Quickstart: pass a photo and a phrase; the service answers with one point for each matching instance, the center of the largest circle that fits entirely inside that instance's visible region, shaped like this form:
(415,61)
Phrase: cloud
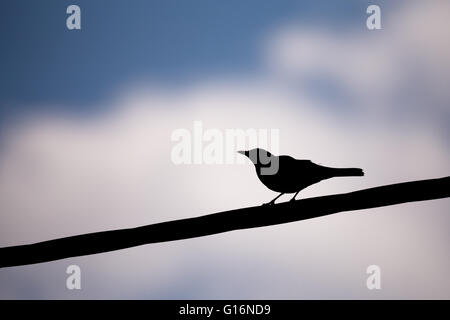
(399,70)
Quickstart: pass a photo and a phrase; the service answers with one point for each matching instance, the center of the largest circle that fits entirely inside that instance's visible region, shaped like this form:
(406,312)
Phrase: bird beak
(245,153)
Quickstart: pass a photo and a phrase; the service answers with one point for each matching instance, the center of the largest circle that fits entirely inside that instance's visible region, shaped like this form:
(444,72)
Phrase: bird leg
(293,198)
(273,201)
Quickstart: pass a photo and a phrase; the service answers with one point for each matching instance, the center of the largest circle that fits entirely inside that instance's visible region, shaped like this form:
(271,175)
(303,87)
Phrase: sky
(168,41)
(85,143)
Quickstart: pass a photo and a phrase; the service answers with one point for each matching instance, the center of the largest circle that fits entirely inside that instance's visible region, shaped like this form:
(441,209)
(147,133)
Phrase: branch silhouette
(251,217)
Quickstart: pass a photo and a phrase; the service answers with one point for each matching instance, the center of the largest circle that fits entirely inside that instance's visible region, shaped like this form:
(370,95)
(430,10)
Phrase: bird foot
(268,204)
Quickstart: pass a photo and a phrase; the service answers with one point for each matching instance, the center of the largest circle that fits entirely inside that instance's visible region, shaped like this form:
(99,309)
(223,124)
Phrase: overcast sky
(87,118)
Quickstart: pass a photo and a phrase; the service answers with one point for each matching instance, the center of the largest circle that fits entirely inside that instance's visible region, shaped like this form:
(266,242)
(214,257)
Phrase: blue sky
(168,41)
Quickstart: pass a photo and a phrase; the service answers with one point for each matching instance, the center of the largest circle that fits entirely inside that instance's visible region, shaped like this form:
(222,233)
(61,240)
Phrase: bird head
(258,156)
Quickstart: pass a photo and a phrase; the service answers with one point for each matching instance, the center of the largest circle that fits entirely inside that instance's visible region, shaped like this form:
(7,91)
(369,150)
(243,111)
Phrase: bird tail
(348,172)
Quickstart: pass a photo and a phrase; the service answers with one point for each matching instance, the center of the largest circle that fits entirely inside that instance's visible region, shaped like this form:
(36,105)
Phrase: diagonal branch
(244,218)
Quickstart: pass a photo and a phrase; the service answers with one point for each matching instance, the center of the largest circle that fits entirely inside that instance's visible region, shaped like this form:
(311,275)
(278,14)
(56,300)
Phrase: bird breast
(282,181)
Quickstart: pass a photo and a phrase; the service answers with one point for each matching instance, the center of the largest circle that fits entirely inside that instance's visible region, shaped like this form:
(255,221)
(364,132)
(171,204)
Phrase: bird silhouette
(285,174)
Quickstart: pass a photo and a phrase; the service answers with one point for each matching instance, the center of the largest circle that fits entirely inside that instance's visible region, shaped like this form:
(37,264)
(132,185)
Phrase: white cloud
(408,56)
(62,177)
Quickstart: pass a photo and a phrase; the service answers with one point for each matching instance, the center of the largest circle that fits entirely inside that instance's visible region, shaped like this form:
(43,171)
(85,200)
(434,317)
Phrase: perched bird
(285,174)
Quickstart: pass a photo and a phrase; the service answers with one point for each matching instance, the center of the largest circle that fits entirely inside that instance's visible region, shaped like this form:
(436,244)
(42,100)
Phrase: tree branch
(244,218)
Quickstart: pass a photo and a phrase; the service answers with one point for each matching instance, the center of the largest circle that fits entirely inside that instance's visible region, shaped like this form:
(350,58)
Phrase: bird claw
(268,204)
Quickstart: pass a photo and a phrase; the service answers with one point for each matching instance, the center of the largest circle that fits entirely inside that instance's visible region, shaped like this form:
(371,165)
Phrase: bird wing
(315,170)
(305,163)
